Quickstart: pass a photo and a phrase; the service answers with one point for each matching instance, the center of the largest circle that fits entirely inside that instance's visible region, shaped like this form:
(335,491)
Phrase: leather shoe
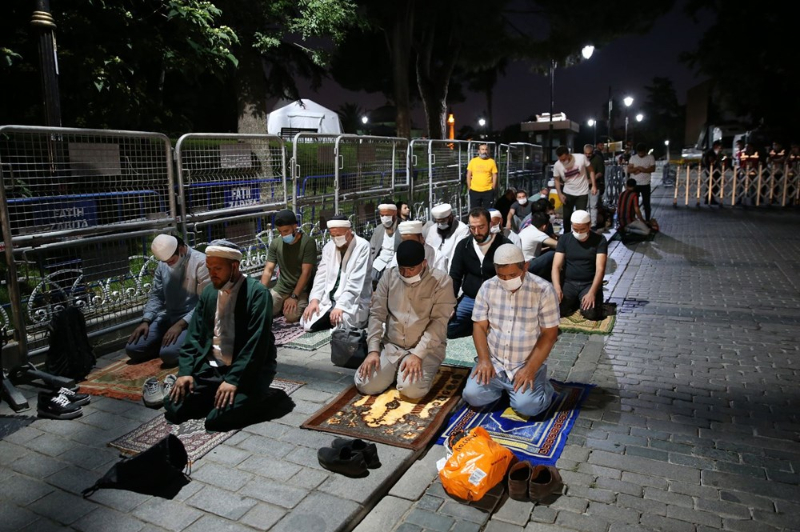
(343,460)
(545,480)
(519,477)
(369,450)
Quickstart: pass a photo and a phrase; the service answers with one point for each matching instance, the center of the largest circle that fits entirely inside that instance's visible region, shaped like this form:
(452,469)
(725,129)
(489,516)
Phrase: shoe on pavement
(519,477)
(369,450)
(153,393)
(169,384)
(545,481)
(344,461)
(58,407)
(79,399)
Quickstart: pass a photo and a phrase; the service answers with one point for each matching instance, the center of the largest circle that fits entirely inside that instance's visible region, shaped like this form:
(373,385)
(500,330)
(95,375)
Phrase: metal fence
(754,186)
(313,172)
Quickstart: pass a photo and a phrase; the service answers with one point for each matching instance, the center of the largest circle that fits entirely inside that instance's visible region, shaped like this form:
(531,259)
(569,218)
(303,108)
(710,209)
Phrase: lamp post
(586,52)
(482,125)
(666,143)
(628,101)
(593,124)
(42,22)
(639,118)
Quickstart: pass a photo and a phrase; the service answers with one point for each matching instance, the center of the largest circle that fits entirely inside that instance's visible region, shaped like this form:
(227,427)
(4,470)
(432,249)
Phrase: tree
(665,116)
(350,114)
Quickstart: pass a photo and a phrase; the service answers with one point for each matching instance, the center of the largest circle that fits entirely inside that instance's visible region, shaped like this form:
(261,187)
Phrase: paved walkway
(692,426)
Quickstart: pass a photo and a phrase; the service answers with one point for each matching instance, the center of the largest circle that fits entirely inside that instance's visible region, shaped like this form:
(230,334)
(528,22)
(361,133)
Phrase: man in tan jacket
(414,301)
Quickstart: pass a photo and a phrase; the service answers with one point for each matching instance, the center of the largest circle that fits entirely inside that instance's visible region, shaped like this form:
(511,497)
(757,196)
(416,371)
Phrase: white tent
(303,115)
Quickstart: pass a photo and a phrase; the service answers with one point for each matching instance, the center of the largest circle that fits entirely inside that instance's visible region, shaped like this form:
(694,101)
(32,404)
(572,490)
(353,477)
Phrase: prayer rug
(460,352)
(192,433)
(539,439)
(390,419)
(122,380)
(634,239)
(578,324)
(285,332)
(311,340)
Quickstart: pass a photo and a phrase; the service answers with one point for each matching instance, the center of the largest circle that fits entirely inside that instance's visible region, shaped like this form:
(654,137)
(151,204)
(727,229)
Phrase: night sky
(627,65)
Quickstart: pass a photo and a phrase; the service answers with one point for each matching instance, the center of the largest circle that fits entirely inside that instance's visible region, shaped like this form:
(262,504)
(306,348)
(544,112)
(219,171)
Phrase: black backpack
(70,354)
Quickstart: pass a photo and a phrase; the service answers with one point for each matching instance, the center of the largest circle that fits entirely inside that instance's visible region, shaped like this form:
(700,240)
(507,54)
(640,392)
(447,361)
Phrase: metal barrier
(753,186)
(615,183)
(525,169)
(313,171)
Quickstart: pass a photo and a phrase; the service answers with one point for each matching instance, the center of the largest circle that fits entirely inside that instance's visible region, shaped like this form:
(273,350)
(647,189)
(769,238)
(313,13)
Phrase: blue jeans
(461,324)
(150,347)
(528,403)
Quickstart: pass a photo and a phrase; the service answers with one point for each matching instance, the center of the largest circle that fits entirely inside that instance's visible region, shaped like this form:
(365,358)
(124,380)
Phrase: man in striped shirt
(515,327)
(628,212)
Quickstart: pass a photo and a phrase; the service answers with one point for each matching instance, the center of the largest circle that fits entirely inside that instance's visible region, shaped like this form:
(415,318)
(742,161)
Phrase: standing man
(443,235)
(342,288)
(599,166)
(179,279)
(582,254)
(296,256)
(384,241)
(407,332)
(472,265)
(229,358)
(571,169)
(482,179)
(516,325)
(640,167)
(519,210)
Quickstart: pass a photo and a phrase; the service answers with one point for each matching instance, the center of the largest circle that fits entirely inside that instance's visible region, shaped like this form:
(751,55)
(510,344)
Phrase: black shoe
(79,399)
(58,407)
(344,461)
(369,450)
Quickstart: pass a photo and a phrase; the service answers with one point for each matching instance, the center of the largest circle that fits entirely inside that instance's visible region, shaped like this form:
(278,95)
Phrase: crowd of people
(505,277)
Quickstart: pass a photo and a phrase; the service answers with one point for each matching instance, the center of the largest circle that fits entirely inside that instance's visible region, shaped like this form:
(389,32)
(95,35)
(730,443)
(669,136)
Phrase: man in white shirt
(384,241)
(640,167)
(412,230)
(443,235)
(533,240)
(571,168)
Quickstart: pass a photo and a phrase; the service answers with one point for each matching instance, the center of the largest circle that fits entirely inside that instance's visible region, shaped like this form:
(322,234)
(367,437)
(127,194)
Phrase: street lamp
(364,120)
(666,143)
(639,118)
(593,124)
(482,125)
(586,52)
(628,101)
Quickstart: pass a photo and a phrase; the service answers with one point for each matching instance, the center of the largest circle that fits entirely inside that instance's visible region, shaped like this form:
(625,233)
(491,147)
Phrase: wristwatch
(293,296)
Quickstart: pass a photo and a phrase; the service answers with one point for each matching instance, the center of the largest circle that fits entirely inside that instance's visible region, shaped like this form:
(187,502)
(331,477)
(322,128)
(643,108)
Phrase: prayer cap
(580,217)
(285,217)
(164,247)
(410,253)
(340,220)
(441,211)
(224,249)
(494,213)
(508,254)
(387,207)
(411,227)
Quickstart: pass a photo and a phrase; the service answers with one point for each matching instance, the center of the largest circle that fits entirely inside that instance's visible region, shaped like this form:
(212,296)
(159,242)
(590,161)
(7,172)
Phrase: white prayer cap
(164,247)
(580,217)
(494,213)
(508,254)
(339,220)
(224,249)
(411,227)
(441,211)
(387,207)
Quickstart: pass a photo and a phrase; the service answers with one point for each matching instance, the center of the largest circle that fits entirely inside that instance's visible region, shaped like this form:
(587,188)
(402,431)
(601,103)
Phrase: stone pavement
(692,426)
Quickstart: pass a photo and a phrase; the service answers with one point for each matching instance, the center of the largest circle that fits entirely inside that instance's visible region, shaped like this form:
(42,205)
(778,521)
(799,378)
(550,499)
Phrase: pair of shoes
(155,393)
(529,483)
(351,458)
(61,404)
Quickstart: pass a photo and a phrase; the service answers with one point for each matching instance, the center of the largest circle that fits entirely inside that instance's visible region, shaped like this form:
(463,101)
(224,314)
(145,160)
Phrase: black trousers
(481,199)
(543,265)
(573,292)
(644,190)
(573,203)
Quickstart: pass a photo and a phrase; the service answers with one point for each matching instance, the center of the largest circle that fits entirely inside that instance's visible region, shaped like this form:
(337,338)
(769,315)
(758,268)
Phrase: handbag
(348,347)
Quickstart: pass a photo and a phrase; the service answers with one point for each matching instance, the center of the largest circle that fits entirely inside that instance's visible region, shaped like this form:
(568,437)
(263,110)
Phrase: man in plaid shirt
(515,327)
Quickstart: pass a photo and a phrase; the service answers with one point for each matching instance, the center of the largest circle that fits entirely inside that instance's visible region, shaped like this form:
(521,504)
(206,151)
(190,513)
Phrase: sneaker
(153,393)
(169,384)
(368,450)
(79,399)
(58,407)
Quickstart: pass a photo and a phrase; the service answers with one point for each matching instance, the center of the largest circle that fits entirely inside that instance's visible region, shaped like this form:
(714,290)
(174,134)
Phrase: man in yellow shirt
(482,179)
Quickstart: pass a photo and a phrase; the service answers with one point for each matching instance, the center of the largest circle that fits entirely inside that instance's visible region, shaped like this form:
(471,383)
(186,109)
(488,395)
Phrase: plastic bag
(477,464)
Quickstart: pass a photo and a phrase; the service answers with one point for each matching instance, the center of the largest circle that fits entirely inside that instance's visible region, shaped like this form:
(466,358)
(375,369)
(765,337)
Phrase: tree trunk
(433,80)
(251,94)
(400,53)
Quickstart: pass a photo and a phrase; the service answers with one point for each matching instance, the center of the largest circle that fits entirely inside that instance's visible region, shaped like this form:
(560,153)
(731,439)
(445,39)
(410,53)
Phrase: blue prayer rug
(538,439)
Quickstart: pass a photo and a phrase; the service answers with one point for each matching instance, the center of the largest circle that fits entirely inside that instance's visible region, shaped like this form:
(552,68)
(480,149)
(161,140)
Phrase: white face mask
(580,236)
(552,218)
(495,229)
(522,201)
(444,226)
(179,263)
(413,279)
(511,284)
(340,241)
(387,221)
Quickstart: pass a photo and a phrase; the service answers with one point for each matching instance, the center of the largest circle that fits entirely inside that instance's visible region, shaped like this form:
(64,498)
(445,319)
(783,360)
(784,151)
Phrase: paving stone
(613,513)
(222,477)
(273,492)
(703,492)
(418,477)
(408,527)
(89,457)
(723,508)
(105,519)
(266,446)
(500,526)
(515,512)
(543,514)
(585,523)
(668,497)
(430,521)
(747,526)
(304,456)
(572,504)
(308,478)
(645,480)
(644,506)
(463,512)
(694,516)
(263,516)
(361,489)
(45,525)
(121,500)
(748,499)
(644,466)
(466,526)
(762,487)
(228,455)
(210,523)
(220,502)
(306,437)
(37,465)
(73,479)
(167,514)
(666,524)
(319,512)
(269,467)
(384,515)
(13,517)
(429,503)
(23,490)
(62,507)
(619,486)
(543,527)
(22,435)
(593,494)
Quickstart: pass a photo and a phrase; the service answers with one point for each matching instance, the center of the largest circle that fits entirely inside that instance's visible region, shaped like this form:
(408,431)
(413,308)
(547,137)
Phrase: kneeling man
(414,301)
(516,325)
(228,359)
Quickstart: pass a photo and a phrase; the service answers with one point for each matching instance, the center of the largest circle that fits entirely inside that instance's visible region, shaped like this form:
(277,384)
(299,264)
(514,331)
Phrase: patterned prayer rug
(122,380)
(285,332)
(460,352)
(539,439)
(192,433)
(390,419)
(578,324)
(311,340)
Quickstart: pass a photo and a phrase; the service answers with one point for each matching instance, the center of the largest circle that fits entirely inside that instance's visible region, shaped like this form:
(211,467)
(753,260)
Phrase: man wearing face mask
(516,325)
(443,235)
(179,279)
(296,256)
(412,230)
(482,179)
(497,227)
(472,265)
(406,336)
(520,209)
(384,241)
(342,287)
(571,183)
(582,254)
(229,358)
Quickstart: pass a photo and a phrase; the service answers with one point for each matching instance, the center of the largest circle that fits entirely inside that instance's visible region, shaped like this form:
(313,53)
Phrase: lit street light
(593,124)
(666,143)
(481,122)
(628,101)
(364,120)
(639,117)
(586,52)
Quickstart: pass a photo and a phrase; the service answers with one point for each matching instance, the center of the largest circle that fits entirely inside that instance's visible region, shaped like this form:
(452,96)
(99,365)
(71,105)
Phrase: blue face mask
(288,239)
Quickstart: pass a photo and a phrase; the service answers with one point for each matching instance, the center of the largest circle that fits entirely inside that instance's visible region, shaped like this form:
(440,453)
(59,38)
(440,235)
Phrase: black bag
(348,347)
(156,471)
(70,354)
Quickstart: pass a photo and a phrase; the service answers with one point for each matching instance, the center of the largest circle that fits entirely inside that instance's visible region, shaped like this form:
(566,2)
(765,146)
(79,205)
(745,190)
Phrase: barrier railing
(313,171)
(754,186)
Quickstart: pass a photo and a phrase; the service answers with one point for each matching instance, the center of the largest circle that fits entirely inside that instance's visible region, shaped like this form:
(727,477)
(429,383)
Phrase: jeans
(644,190)
(150,347)
(595,201)
(543,265)
(528,403)
(573,203)
(461,323)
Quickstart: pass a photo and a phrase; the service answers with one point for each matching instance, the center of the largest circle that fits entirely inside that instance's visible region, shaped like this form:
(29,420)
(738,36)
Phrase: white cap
(224,249)
(164,247)
(387,207)
(580,217)
(442,210)
(494,213)
(508,254)
(411,227)
(339,223)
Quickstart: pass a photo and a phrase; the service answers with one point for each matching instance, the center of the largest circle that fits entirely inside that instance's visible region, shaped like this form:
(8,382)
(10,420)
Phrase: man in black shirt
(582,254)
